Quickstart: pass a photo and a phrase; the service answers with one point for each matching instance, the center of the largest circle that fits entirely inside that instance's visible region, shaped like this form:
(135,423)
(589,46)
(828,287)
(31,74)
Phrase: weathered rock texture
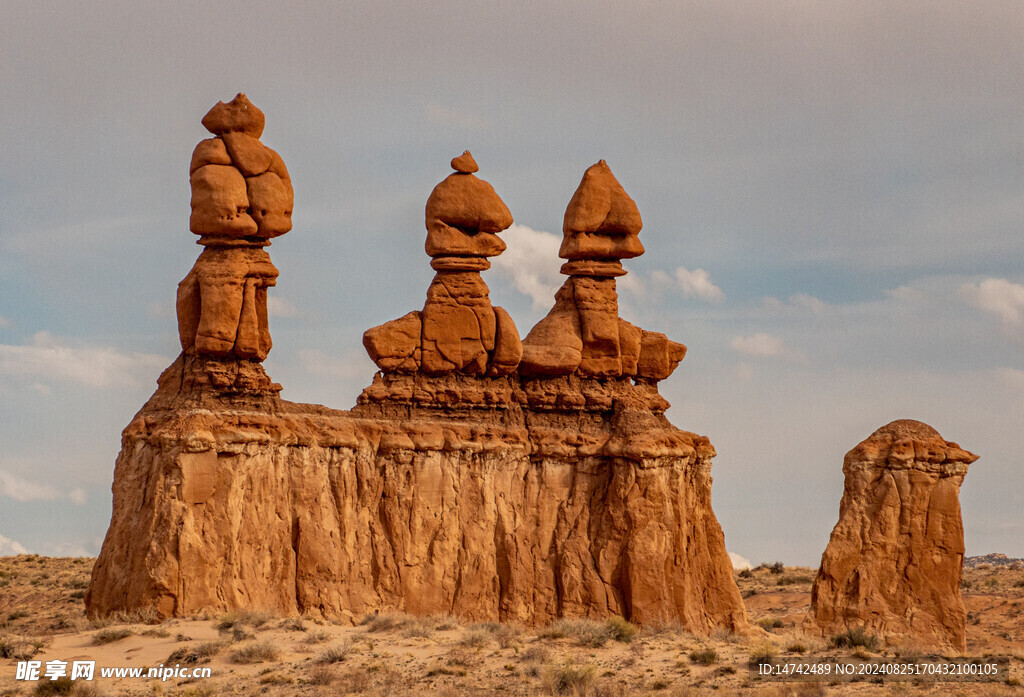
(241,197)
(458,331)
(583,333)
(453,486)
(894,562)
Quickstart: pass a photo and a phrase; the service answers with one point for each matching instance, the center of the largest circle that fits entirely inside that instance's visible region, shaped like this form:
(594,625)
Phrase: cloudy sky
(832,196)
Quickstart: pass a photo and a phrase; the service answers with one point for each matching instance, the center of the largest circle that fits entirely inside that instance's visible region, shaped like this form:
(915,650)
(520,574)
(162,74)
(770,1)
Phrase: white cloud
(999,297)
(52,359)
(531,262)
(759,344)
(801,303)
(697,283)
(10,547)
(22,489)
(739,562)
(278,307)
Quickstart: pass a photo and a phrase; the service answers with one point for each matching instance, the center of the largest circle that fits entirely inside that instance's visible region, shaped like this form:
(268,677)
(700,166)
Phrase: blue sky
(831,194)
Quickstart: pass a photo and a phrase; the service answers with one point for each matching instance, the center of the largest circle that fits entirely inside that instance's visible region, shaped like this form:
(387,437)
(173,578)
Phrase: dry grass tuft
(255,653)
(108,636)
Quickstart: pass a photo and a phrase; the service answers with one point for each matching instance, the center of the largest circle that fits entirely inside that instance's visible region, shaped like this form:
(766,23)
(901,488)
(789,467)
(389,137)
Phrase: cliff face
(492,513)
(462,482)
(895,558)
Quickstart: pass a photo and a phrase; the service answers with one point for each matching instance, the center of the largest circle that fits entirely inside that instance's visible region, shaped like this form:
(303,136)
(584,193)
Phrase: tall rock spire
(241,198)
(583,333)
(458,330)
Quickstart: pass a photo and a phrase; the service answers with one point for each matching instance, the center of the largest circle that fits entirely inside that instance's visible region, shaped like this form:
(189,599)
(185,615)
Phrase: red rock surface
(241,197)
(583,333)
(456,485)
(458,331)
(895,558)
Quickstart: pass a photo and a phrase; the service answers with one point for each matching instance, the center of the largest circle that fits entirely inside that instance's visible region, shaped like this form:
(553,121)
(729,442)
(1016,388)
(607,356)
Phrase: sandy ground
(255,653)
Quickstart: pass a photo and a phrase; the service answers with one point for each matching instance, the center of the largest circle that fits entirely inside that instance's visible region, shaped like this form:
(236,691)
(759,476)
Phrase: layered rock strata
(452,487)
(894,562)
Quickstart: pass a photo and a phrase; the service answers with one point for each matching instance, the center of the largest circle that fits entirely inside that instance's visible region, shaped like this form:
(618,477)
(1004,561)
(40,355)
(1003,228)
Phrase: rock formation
(458,331)
(583,334)
(894,561)
(453,486)
(241,198)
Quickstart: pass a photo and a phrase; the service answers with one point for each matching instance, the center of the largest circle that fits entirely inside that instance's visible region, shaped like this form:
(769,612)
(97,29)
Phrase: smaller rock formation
(894,562)
(583,333)
(241,198)
(458,330)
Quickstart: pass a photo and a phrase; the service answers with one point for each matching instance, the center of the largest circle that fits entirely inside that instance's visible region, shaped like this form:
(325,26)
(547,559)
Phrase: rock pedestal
(456,485)
(895,558)
(241,198)
(583,333)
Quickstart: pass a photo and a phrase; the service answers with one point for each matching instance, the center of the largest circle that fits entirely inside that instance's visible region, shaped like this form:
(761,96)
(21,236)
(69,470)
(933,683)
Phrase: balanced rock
(458,330)
(583,332)
(241,197)
(894,562)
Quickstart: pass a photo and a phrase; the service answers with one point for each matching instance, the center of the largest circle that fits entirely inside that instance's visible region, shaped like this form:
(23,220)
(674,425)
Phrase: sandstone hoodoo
(456,484)
(458,331)
(583,334)
(241,198)
(894,562)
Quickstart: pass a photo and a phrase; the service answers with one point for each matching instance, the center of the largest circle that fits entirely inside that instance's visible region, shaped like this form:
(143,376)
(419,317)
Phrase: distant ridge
(995,559)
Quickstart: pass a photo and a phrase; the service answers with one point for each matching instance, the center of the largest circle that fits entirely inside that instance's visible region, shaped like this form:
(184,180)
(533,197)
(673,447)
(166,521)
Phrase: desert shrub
(536,654)
(316,637)
(107,636)
(60,686)
(145,615)
(851,638)
(386,622)
(294,624)
(797,647)
(507,636)
(585,632)
(792,579)
(238,619)
(770,623)
(620,629)
(777,568)
(476,639)
(335,654)
(763,652)
(445,622)
(200,653)
(421,627)
(705,656)
(241,634)
(746,573)
(255,653)
(568,678)
(322,675)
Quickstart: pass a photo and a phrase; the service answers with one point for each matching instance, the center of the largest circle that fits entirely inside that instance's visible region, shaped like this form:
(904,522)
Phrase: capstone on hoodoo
(241,199)
(458,330)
